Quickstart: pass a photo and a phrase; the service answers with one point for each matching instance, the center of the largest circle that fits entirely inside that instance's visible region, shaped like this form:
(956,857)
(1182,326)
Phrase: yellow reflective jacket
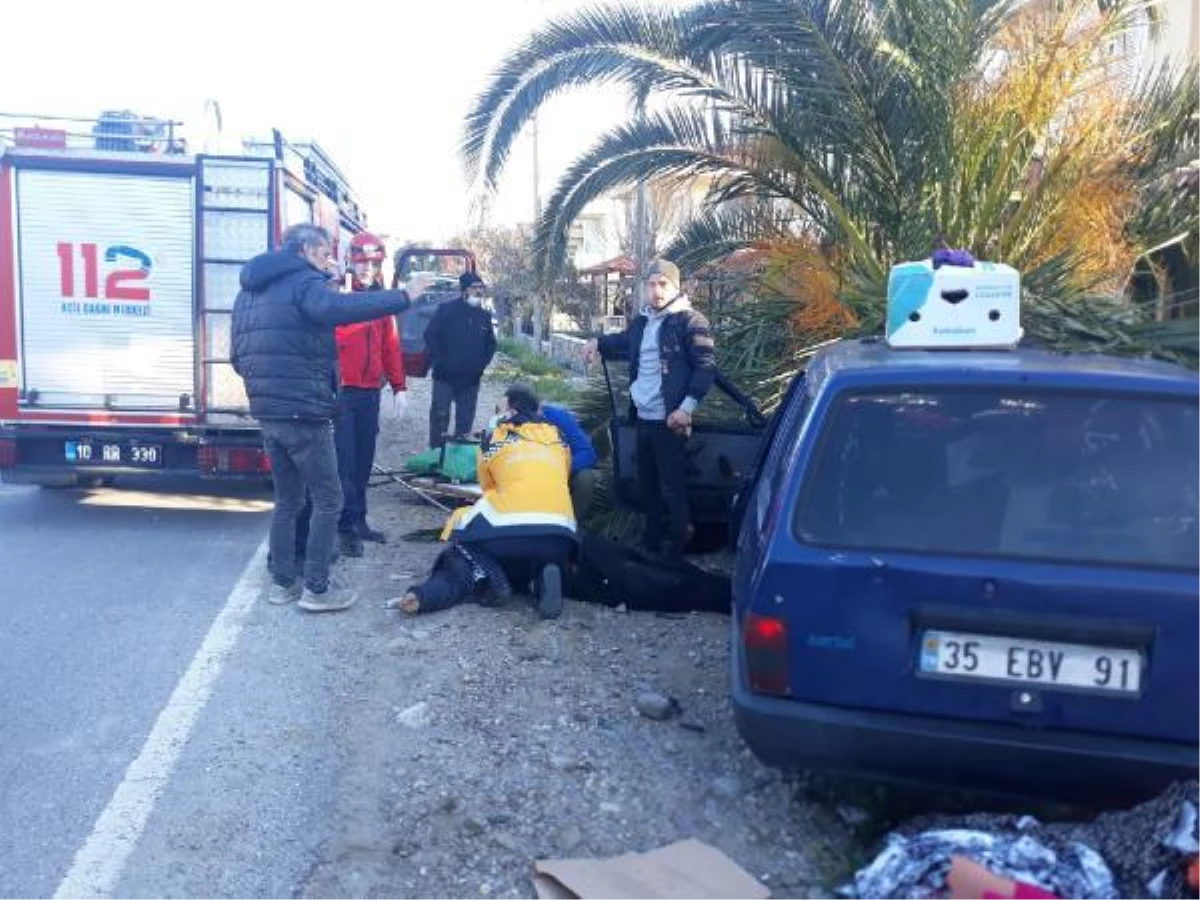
(524,467)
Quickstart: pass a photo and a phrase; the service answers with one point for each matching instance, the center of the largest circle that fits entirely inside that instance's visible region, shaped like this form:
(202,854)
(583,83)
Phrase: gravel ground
(483,739)
(489,739)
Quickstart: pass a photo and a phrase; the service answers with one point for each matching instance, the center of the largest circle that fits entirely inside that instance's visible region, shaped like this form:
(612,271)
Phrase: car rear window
(1039,475)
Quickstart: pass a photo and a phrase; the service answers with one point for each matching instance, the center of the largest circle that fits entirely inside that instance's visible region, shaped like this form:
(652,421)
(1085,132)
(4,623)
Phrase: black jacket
(283,341)
(685,347)
(460,342)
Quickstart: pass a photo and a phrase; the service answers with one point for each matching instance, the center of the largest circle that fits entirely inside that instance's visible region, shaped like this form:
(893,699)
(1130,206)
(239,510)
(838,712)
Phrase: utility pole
(537,175)
(537,209)
(537,216)
(641,249)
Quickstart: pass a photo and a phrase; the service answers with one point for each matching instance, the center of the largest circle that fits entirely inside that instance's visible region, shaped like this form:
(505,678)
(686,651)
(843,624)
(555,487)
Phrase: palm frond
(859,133)
(721,231)
(676,147)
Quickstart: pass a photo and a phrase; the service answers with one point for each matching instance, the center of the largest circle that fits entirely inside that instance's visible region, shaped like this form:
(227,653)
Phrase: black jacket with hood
(283,341)
(460,342)
(685,346)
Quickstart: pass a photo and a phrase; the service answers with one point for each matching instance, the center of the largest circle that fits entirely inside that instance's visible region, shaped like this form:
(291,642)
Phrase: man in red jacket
(367,357)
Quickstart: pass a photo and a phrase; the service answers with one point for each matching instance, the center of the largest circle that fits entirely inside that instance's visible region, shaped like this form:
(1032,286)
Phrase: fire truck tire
(65,482)
(54,482)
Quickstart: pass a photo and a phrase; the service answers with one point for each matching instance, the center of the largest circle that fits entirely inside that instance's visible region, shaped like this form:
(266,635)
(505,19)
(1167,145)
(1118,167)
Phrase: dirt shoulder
(479,740)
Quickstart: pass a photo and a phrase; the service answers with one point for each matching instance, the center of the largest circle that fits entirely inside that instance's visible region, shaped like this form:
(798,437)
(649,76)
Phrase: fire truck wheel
(64,482)
(55,482)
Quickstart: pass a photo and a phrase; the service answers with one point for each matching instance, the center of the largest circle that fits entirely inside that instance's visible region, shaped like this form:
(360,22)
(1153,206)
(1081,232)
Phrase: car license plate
(951,654)
(129,454)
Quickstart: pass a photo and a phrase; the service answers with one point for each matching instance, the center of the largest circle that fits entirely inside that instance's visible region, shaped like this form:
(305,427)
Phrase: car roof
(870,360)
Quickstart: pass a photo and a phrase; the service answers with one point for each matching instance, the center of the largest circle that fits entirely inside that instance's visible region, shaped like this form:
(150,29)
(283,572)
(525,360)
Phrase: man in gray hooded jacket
(672,364)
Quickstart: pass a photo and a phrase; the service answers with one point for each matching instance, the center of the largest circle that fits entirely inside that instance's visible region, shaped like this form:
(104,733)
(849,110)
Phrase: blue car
(975,568)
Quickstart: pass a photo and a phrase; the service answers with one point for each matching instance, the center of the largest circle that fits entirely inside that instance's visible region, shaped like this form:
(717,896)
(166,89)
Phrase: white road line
(101,860)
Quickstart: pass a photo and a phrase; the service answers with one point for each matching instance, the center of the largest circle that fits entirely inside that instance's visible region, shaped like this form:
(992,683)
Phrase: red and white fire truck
(119,262)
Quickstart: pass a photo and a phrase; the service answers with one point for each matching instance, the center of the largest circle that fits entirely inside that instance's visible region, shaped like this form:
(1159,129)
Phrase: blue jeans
(303,460)
(355,429)
(354,432)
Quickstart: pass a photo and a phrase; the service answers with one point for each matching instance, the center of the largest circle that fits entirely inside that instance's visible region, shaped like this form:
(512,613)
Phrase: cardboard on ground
(687,868)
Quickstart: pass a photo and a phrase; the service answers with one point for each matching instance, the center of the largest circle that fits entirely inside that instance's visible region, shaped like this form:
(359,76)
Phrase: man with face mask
(460,342)
(672,364)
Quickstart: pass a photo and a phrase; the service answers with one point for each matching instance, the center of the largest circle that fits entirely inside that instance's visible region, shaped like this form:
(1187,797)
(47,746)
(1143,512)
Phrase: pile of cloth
(1148,851)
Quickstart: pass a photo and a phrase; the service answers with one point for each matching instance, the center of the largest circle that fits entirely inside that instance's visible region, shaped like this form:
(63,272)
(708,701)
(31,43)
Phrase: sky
(383,87)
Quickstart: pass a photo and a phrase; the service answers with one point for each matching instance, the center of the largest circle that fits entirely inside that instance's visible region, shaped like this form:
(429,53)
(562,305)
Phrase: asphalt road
(106,597)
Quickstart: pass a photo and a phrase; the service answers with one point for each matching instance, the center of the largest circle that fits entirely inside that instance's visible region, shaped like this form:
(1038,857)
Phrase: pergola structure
(612,283)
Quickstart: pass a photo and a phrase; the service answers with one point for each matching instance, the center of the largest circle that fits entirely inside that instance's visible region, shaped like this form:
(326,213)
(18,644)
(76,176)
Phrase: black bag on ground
(610,573)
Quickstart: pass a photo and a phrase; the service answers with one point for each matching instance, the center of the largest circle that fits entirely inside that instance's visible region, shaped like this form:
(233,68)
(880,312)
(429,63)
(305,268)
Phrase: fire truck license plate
(129,454)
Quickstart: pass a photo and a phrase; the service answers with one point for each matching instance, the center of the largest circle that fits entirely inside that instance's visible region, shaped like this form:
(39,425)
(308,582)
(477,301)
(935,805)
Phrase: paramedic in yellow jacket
(522,528)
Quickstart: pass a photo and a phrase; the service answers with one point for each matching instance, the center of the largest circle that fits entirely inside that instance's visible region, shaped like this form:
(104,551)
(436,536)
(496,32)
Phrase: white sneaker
(281,595)
(334,598)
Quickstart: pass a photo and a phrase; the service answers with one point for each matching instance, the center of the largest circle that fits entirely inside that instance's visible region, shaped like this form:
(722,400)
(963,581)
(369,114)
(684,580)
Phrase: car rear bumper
(971,755)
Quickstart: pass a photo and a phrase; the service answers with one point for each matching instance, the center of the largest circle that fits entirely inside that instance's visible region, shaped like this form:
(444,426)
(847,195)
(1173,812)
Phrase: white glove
(418,284)
(393,404)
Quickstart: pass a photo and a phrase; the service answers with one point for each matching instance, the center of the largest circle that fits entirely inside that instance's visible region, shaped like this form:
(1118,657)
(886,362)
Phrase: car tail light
(765,640)
(416,363)
(8,452)
(216,460)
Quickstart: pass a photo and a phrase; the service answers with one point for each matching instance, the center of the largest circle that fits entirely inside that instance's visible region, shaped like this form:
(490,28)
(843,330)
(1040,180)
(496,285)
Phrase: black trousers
(662,485)
(460,578)
(464,397)
(524,557)
(355,431)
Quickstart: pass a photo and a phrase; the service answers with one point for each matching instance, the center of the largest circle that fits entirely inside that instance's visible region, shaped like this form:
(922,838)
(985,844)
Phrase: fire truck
(119,261)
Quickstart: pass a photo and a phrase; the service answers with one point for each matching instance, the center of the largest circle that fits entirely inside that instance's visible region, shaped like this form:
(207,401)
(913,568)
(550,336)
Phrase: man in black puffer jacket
(284,348)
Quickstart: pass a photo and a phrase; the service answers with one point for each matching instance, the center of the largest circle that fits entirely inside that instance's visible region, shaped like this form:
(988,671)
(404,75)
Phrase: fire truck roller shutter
(106,281)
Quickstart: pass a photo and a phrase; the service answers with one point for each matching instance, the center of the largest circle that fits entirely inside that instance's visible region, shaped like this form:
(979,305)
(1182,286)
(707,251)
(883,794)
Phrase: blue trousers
(355,430)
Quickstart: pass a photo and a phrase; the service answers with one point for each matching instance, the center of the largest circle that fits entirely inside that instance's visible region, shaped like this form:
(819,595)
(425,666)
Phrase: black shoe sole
(550,598)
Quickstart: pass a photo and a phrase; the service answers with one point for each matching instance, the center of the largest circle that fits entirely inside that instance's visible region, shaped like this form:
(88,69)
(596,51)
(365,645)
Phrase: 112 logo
(119,284)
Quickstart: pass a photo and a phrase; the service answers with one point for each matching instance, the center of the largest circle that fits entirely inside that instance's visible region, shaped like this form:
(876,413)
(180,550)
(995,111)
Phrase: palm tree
(845,135)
